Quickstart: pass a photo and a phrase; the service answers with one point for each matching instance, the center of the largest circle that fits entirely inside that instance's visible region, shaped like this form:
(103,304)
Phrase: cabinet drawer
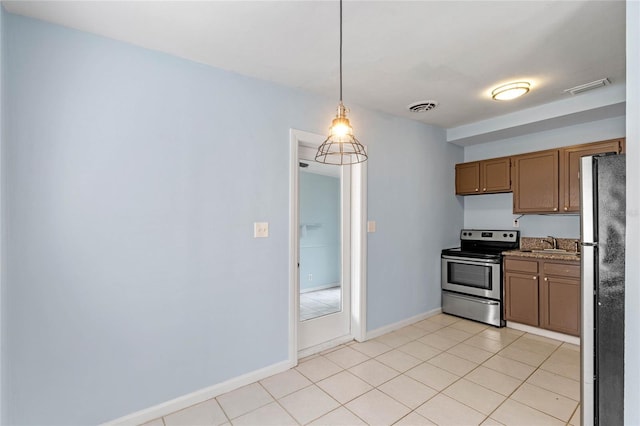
(562,269)
(521,265)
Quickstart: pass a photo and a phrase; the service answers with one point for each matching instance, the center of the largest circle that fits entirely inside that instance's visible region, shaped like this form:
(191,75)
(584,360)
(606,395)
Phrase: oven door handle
(471,262)
(474,299)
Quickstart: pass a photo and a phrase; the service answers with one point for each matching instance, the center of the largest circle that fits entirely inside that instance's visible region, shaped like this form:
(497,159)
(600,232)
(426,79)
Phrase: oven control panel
(508,236)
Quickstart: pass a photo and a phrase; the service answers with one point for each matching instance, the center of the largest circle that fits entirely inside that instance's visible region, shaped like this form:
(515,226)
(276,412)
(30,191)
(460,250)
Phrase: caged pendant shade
(341,147)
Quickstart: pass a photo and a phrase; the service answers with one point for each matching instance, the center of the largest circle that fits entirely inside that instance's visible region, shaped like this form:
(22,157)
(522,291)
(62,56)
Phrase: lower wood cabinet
(543,293)
(560,295)
(521,291)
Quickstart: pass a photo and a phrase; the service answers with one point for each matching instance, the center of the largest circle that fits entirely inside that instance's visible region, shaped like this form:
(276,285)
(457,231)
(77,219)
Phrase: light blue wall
(2,231)
(411,198)
(320,230)
(131,273)
(495,211)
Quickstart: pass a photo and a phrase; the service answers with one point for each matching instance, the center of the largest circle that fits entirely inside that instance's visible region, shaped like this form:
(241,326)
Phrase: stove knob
(511,235)
(504,235)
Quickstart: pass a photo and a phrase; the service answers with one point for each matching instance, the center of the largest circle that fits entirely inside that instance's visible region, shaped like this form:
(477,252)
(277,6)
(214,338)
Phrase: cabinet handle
(535,278)
(566,208)
(476,189)
(546,279)
(555,209)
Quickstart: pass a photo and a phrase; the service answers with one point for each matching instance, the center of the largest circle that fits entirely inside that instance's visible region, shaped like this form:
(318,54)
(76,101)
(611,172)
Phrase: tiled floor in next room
(317,303)
(442,371)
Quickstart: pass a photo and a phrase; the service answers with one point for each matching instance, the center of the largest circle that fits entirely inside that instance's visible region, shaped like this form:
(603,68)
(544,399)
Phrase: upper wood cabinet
(484,177)
(542,182)
(468,178)
(570,169)
(535,182)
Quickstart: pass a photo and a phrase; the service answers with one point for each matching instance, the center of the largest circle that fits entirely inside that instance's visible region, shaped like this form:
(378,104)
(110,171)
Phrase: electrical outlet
(516,223)
(260,229)
(310,277)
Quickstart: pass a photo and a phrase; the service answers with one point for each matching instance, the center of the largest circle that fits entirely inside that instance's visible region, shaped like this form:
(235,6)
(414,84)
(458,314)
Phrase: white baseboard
(202,395)
(398,325)
(318,288)
(199,396)
(544,333)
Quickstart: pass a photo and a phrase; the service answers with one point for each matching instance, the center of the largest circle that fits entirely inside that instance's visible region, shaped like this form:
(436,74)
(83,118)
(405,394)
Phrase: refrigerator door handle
(587,275)
(588,259)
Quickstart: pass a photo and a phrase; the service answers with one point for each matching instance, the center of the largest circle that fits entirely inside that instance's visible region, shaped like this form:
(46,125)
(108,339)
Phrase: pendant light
(341,147)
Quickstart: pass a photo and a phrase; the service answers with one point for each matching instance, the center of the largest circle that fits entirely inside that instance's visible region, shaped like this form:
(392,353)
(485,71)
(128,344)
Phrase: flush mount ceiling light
(506,92)
(341,147)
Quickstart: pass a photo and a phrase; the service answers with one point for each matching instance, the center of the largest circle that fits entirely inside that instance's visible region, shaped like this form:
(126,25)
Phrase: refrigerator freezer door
(603,213)
(609,318)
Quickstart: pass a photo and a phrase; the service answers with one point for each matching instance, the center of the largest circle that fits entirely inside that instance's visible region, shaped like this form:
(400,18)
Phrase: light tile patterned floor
(443,371)
(320,302)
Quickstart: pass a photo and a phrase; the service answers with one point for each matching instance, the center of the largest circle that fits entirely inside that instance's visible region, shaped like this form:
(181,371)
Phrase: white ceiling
(395,52)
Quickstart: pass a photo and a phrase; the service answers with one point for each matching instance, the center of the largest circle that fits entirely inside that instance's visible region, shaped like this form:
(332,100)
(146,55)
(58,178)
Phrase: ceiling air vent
(588,86)
(422,106)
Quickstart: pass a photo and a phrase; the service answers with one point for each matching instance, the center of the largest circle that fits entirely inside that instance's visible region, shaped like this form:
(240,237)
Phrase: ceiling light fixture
(510,91)
(341,147)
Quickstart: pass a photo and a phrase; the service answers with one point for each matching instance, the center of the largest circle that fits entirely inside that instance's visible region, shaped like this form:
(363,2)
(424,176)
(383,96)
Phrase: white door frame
(323,331)
(358,244)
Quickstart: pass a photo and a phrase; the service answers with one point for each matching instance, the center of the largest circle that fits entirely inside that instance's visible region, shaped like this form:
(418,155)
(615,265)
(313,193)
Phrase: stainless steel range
(472,275)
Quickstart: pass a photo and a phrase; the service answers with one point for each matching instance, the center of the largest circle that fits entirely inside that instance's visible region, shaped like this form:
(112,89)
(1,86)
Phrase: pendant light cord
(340,51)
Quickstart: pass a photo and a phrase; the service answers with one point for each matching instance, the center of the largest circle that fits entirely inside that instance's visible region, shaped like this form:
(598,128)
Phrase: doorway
(320,211)
(327,250)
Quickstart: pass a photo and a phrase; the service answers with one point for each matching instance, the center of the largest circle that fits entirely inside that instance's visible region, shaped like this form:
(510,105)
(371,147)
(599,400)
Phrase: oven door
(478,277)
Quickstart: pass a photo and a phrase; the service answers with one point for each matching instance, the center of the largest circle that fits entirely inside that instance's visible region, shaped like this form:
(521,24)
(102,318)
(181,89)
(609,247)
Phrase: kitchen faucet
(553,242)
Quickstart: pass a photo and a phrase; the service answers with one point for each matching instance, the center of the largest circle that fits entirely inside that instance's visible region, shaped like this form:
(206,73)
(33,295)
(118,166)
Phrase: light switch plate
(371,226)
(260,229)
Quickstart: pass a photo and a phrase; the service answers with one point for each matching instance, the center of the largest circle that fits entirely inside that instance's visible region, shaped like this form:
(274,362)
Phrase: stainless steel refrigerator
(602,222)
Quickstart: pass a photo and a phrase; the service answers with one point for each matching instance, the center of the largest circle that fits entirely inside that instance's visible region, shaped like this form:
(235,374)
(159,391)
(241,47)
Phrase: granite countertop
(570,255)
(527,244)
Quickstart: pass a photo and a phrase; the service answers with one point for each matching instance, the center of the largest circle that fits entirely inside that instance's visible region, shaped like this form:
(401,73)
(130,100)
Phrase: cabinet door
(468,178)
(536,182)
(495,175)
(570,175)
(560,308)
(521,298)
